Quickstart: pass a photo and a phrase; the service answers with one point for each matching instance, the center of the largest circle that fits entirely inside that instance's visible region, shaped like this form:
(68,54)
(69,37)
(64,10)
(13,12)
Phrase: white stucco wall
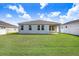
(34,29)
(11,30)
(8,30)
(2,31)
(58,28)
(72,28)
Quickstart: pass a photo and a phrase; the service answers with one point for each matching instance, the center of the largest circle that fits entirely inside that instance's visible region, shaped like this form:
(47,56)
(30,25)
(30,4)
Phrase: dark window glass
(22,27)
(14,28)
(2,27)
(49,27)
(52,27)
(65,26)
(30,27)
(38,27)
(42,27)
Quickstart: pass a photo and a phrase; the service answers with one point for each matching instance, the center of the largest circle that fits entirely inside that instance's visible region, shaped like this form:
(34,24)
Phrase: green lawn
(39,45)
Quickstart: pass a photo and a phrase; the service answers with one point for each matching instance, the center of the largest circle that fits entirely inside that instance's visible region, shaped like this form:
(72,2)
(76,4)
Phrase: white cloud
(12,7)
(11,21)
(19,9)
(62,21)
(8,15)
(25,16)
(54,14)
(74,4)
(43,5)
(49,19)
(43,17)
(72,14)
(63,18)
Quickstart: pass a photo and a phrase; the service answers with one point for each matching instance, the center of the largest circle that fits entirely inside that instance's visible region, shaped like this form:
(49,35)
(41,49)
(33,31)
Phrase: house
(71,27)
(7,28)
(39,27)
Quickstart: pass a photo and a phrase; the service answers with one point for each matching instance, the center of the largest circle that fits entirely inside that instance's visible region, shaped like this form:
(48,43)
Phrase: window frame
(66,26)
(52,28)
(22,27)
(49,27)
(38,27)
(30,27)
(42,27)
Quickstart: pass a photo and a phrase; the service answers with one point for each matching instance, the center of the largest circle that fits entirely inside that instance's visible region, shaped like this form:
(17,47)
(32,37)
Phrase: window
(52,27)
(38,28)
(15,29)
(2,27)
(42,27)
(49,27)
(22,27)
(65,26)
(30,27)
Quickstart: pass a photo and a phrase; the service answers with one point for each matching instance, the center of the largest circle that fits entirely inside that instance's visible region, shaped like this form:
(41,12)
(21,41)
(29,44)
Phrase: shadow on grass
(28,34)
(42,34)
(70,34)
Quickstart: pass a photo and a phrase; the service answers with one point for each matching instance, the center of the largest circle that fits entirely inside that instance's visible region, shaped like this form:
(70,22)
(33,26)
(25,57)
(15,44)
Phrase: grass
(39,45)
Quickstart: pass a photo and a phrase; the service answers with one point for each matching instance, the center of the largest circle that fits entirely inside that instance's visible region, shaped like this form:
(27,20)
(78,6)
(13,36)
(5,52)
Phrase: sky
(15,13)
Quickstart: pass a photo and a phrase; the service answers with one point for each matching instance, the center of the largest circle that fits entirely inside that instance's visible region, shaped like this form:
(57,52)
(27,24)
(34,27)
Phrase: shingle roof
(36,22)
(7,25)
(73,21)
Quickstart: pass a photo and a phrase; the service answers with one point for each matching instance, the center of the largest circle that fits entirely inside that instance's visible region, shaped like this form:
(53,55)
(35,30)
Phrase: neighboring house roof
(74,21)
(43,22)
(7,25)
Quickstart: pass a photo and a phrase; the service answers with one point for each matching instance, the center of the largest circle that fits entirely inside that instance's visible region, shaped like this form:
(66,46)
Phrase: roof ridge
(40,22)
(5,24)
